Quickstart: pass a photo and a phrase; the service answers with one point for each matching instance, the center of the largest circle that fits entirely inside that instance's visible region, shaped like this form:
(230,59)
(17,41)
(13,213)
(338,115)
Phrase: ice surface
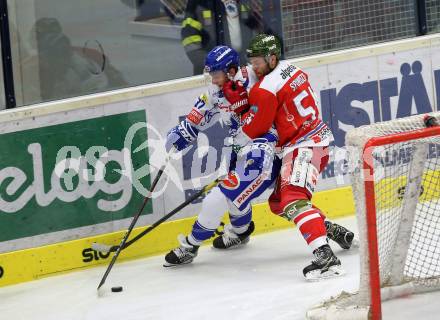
(260,281)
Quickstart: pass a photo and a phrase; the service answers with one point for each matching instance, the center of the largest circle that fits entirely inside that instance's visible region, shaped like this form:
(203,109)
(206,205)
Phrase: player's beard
(263,72)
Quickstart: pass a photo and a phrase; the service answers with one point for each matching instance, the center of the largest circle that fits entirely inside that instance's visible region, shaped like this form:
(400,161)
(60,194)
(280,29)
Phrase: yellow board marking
(25,265)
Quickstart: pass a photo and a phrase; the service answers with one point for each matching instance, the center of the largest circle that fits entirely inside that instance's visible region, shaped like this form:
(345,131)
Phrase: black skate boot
(339,234)
(229,239)
(182,255)
(325,265)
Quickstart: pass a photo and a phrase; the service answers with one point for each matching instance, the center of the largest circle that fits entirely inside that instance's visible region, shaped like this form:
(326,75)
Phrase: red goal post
(395,175)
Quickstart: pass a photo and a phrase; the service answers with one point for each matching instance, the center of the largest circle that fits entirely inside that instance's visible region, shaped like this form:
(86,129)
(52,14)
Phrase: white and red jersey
(285,98)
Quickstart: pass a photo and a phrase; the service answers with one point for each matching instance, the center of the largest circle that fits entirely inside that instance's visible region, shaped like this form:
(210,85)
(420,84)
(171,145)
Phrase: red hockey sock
(320,212)
(311,225)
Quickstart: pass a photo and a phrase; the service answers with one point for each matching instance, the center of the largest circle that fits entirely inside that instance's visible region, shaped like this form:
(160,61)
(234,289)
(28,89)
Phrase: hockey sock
(240,219)
(311,225)
(213,208)
(320,212)
(199,234)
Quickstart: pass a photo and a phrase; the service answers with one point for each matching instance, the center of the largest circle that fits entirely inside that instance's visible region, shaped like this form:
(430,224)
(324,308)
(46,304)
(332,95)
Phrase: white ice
(260,281)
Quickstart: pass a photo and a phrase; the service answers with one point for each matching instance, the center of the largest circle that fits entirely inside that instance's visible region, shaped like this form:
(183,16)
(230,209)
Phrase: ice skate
(339,234)
(229,239)
(181,255)
(325,265)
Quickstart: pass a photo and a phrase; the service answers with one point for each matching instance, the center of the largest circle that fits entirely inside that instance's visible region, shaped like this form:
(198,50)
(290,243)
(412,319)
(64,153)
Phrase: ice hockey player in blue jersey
(250,170)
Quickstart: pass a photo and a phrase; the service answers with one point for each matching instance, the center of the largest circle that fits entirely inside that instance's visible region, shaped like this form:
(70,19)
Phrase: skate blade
(332,272)
(171,265)
(354,244)
(237,246)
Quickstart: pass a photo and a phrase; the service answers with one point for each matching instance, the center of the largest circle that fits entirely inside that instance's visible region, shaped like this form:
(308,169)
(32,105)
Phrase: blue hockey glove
(181,136)
(259,155)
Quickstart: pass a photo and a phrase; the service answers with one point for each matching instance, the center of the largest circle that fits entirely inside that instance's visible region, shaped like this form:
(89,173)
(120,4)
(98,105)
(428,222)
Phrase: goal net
(395,175)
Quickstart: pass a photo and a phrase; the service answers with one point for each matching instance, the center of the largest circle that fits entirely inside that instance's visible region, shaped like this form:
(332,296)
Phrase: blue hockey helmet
(221,58)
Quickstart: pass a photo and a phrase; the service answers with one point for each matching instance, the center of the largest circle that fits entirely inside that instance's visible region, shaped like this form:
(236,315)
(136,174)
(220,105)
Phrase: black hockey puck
(116,289)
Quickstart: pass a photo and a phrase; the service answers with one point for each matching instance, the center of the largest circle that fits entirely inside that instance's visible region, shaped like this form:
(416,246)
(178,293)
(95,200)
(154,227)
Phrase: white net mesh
(407,199)
(422,262)
(392,163)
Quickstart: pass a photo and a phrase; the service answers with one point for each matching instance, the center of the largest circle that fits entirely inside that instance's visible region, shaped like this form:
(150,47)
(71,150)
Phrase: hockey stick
(105,248)
(133,222)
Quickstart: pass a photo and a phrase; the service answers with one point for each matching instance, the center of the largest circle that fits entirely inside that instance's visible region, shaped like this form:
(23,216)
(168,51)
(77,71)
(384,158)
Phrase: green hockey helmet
(264,45)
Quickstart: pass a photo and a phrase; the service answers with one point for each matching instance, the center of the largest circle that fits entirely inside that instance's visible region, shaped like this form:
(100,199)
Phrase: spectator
(66,70)
(209,23)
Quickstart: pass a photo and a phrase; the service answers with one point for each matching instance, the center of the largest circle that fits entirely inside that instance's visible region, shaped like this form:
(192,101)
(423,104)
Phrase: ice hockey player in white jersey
(226,101)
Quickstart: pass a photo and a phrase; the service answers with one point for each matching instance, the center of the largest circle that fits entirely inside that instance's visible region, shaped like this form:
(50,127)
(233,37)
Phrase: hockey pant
(235,195)
(291,197)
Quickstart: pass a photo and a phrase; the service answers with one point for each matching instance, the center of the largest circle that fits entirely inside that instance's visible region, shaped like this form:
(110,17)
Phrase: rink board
(354,87)
(35,263)
(396,186)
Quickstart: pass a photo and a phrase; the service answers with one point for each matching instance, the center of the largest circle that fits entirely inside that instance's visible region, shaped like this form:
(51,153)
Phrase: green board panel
(71,175)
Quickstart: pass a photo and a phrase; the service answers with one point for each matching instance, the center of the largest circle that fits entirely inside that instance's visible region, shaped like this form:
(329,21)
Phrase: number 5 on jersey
(305,110)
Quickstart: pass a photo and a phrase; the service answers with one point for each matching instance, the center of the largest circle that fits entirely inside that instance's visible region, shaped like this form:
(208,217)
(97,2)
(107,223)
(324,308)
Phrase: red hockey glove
(236,95)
